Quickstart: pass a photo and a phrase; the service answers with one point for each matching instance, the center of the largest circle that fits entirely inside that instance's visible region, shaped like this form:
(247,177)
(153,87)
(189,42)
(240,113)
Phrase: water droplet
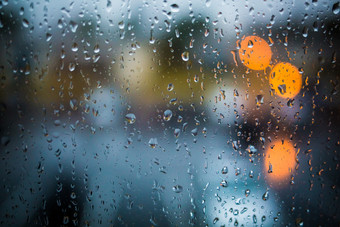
(170,87)
(185,56)
(215,220)
(177,188)
(130,118)
(25,23)
(174,8)
(153,142)
(224,183)
(96,49)
(194,132)
(167,115)
(251,10)
(73,26)
(282,89)
(336,8)
(251,149)
(250,44)
(265,196)
(259,100)
(48,37)
(74,47)
(247,192)
(177,131)
(71,67)
(224,170)
(73,104)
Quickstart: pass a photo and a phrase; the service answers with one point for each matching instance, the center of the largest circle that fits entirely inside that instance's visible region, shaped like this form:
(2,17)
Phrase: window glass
(169,113)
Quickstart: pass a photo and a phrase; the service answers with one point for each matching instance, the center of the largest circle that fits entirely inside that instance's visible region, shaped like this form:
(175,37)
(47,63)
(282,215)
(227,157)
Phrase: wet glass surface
(165,113)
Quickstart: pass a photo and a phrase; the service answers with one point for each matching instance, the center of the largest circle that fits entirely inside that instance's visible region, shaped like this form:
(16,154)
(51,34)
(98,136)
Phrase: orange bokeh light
(286,80)
(255,53)
(279,162)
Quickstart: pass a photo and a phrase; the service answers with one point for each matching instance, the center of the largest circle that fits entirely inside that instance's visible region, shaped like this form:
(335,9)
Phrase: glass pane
(169,113)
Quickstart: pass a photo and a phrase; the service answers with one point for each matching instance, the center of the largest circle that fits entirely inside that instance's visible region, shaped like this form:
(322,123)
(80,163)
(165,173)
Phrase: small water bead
(153,142)
(167,115)
(177,188)
(224,170)
(170,87)
(224,183)
(185,56)
(177,131)
(130,118)
(174,8)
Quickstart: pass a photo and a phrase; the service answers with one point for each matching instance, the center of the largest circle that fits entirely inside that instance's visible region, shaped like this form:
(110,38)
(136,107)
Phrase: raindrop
(259,100)
(170,87)
(177,132)
(167,115)
(71,67)
(215,220)
(251,149)
(185,56)
(194,132)
(250,44)
(74,47)
(25,23)
(73,26)
(130,118)
(48,37)
(177,188)
(153,142)
(265,196)
(336,8)
(224,183)
(174,8)
(224,170)
(282,89)
(73,104)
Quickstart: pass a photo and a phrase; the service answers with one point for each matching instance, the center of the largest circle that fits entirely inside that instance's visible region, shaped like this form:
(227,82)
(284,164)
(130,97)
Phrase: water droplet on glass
(185,56)
(265,196)
(247,192)
(153,142)
(177,188)
(48,37)
(336,8)
(130,118)
(73,26)
(174,8)
(282,89)
(224,183)
(251,149)
(250,44)
(170,87)
(71,67)
(167,115)
(224,170)
(25,23)
(177,131)
(74,47)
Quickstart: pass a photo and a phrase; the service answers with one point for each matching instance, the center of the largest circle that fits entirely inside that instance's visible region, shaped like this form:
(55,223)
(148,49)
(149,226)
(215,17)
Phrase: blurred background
(165,113)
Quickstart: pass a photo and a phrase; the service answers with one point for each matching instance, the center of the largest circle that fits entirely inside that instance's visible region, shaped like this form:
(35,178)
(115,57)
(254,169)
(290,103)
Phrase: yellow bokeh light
(286,80)
(255,53)
(279,161)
